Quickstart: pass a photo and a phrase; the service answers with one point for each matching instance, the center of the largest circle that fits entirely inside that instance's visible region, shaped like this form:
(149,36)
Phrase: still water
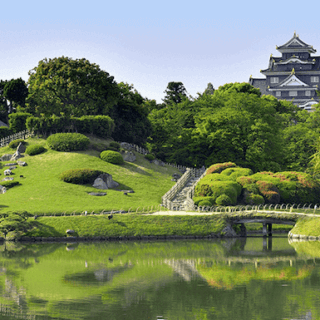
(243,279)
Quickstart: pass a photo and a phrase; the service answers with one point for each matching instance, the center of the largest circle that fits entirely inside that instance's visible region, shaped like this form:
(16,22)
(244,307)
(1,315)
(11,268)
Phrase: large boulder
(158,162)
(6,157)
(21,148)
(17,155)
(3,189)
(105,181)
(126,145)
(128,156)
(21,163)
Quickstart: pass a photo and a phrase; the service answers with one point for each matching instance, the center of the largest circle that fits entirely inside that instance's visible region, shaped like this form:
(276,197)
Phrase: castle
(294,76)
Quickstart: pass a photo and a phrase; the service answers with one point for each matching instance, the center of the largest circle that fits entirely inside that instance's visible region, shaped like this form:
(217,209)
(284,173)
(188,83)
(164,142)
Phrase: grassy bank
(127,225)
(42,192)
(307,226)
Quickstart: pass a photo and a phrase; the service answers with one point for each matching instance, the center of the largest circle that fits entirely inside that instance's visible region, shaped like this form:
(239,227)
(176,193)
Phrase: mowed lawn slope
(41,191)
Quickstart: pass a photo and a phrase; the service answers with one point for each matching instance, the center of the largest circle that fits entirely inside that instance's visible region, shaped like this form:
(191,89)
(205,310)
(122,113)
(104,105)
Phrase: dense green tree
(130,116)
(15,91)
(209,90)
(3,103)
(175,92)
(72,87)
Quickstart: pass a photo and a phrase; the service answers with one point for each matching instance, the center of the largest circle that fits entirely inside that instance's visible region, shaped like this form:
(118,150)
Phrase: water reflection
(246,278)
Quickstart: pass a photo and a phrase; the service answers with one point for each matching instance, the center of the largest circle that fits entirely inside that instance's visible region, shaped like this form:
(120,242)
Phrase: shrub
(35,149)
(224,200)
(269,191)
(209,200)
(204,203)
(9,184)
(80,176)
(149,156)
(111,157)
(254,199)
(5,132)
(99,125)
(218,167)
(68,142)
(234,173)
(17,121)
(115,145)
(245,181)
(14,143)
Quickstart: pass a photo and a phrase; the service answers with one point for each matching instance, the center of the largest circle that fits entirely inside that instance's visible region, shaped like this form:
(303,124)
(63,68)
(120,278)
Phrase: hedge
(80,176)
(34,150)
(113,157)
(68,142)
(17,121)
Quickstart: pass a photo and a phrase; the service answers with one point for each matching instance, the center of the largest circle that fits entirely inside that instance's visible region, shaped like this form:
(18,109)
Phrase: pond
(244,278)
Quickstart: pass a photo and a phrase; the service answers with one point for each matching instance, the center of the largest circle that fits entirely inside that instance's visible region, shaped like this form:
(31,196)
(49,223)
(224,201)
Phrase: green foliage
(68,142)
(113,157)
(74,87)
(175,93)
(101,126)
(9,184)
(35,149)
(253,199)
(14,221)
(5,132)
(269,191)
(17,121)
(224,200)
(15,91)
(197,200)
(219,167)
(234,173)
(204,203)
(150,156)
(14,143)
(80,176)
(115,145)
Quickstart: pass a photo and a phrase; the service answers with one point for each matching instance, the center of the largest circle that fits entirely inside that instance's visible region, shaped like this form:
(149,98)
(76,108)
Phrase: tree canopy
(70,86)
(175,92)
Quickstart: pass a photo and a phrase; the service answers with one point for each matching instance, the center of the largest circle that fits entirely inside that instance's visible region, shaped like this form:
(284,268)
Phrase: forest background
(232,123)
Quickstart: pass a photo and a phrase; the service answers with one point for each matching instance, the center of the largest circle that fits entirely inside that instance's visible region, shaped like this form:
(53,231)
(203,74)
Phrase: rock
(126,145)
(6,157)
(69,231)
(17,155)
(97,194)
(12,168)
(176,176)
(105,181)
(7,179)
(10,164)
(7,172)
(21,148)
(128,156)
(228,231)
(21,163)
(3,189)
(158,162)
(127,191)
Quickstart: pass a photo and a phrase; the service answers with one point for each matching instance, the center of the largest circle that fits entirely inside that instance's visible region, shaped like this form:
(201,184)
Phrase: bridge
(266,224)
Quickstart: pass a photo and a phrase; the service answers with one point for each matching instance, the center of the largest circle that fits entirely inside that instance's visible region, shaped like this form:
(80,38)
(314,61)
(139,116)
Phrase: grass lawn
(42,192)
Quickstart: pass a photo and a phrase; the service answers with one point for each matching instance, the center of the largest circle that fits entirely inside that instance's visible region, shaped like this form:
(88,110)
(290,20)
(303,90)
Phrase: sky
(151,43)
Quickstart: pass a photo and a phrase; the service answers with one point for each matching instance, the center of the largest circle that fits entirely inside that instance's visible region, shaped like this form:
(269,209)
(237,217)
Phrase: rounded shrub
(218,167)
(115,145)
(204,203)
(254,199)
(197,200)
(149,156)
(35,149)
(80,176)
(110,156)
(68,142)
(224,200)
(14,143)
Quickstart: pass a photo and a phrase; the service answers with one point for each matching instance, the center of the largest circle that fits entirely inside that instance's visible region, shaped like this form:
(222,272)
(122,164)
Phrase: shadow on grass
(122,224)
(3,206)
(41,230)
(133,168)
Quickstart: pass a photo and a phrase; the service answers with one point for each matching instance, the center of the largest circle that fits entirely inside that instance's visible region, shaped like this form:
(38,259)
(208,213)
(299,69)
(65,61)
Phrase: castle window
(308,93)
(278,93)
(314,79)
(293,93)
(274,80)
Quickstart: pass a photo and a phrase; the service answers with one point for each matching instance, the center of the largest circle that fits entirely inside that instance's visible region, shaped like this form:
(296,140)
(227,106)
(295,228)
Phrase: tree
(3,103)
(175,93)
(209,90)
(72,87)
(15,91)
(130,116)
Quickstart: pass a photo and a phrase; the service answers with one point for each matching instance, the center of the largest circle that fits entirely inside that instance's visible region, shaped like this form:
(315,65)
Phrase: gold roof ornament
(250,76)
(276,47)
(268,87)
(293,71)
(294,33)
(270,55)
(312,98)
(293,56)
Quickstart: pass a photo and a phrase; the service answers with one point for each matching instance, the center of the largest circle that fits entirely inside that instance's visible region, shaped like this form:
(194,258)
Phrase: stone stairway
(179,201)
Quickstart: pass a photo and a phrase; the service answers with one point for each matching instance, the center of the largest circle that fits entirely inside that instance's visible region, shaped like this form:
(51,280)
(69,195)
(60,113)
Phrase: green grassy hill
(42,192)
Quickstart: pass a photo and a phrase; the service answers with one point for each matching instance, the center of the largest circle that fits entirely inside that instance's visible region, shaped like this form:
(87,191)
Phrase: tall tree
(209,90)
(3,103)
(73,87)
(15,91)
(175,92)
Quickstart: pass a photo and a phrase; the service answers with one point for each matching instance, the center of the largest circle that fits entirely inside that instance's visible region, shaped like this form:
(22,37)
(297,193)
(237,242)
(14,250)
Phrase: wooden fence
(19,135)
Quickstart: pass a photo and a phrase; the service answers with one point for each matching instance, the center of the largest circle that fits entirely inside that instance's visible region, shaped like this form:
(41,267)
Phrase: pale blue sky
(149,44)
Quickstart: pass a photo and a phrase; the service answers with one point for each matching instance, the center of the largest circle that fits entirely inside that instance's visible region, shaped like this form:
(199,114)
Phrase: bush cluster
(80,176)
(68,142)
(110,156)
(219,167)
(241,186)
(35,149)
(115,145)
(17,121)
(14,143)
(150,157)
(100,125)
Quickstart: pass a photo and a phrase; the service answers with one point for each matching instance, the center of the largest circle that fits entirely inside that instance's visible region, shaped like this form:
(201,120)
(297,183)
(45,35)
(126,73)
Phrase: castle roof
(295,44)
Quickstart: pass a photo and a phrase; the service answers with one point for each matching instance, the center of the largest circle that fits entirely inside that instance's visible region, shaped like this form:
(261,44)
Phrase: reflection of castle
(294,76)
